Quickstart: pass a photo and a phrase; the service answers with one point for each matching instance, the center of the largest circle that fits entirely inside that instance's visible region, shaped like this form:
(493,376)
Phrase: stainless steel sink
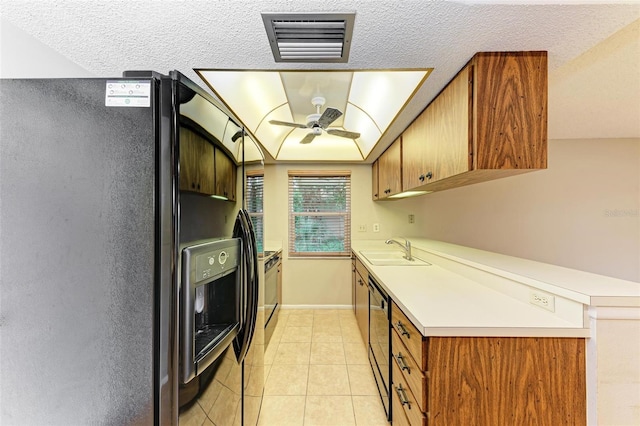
(391,258)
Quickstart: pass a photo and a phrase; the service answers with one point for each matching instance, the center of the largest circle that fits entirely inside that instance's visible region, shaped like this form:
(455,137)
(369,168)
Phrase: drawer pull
(400,361)
(403,396)
(402,329)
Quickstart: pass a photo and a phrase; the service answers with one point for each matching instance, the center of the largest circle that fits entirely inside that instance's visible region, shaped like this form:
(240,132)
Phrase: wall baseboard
(302,307)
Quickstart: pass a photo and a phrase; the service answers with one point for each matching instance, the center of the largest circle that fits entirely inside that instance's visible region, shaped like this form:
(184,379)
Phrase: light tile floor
(317,372)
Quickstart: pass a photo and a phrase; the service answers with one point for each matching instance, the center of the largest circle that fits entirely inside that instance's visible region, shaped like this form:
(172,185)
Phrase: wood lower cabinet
(360,293)
(390,171)
(197,172)
(486,380)
(354,278)
(225,172)
(516,381)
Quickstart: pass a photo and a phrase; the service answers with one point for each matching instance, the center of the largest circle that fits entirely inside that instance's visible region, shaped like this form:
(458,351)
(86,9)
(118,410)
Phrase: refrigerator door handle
(244,229)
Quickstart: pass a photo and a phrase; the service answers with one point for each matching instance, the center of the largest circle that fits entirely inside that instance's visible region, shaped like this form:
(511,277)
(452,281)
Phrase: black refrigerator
(90,229)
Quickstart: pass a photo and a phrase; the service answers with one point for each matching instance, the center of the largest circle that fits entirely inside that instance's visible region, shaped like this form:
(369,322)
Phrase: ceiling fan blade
(343,133)
(307,139)
(329,116)
(286,123)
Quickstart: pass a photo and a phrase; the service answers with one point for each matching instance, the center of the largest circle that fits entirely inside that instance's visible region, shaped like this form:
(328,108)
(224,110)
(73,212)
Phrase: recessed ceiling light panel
(309,37)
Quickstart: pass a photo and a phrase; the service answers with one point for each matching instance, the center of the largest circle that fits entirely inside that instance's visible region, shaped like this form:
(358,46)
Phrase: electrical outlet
(544,300)
(376,227)
(362,228)
(412,218)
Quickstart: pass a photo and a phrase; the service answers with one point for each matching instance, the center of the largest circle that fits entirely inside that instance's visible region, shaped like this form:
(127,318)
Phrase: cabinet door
(225,176)
(279,283)
(449,127)
(362,307)
(390,170)
(196,163)
(510,110)
(374,181)
(354,283)
(418,154)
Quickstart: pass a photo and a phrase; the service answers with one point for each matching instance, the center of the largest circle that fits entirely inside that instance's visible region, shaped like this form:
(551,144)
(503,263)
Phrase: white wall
(23,56)
(618,369)
(583,212)
(326,281)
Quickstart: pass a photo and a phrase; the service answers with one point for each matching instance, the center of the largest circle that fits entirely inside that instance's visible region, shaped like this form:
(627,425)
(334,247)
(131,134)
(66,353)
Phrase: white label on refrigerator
(128,93)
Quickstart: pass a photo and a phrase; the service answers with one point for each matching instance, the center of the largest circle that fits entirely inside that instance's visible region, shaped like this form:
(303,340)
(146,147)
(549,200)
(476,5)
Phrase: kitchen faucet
(406,246)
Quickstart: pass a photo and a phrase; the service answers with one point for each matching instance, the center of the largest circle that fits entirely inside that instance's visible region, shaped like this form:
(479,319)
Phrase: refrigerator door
(244,229)
(77,254)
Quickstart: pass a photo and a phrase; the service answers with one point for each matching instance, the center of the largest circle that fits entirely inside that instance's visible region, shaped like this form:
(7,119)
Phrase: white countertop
(440,302)
(585,287)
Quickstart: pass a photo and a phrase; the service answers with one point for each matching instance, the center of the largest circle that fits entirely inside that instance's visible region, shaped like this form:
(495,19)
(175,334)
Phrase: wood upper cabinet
(510,110)
(449,128)
(418,156)
(196,163)
(490,121)
(225,172)
(205,168)
(374,181)
(390,170)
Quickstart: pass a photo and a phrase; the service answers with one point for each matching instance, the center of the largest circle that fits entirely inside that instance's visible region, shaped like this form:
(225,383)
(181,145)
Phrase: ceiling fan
(318,122)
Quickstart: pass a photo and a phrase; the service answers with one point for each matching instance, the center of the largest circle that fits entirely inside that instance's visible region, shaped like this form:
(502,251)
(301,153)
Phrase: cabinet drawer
(409,408)
(414,341)
(411,373)
(362,270)
(398,418)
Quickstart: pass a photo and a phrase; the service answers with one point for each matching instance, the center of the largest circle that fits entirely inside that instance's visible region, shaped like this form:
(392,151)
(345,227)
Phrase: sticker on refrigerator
(128,93)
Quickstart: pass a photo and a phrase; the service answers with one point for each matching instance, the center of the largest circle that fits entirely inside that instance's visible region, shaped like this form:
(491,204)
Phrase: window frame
(292,175)
(256,174)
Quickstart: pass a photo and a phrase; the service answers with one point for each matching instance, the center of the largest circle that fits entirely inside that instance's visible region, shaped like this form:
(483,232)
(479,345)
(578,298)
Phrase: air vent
(309,37)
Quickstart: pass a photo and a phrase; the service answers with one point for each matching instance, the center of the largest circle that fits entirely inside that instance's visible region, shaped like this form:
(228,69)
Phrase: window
(319,213)
(254,198)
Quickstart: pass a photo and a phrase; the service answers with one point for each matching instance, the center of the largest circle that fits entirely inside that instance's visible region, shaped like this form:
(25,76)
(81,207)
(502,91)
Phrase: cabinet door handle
(402,329)
(403,396)
(421,178)
(429,175)
(400,361)
(360,281)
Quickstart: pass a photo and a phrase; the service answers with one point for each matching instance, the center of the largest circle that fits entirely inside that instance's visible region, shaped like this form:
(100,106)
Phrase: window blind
(319,213)
(254,200)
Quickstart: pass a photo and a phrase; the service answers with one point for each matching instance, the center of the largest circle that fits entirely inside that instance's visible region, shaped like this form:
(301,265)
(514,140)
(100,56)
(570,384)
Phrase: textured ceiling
(107,37)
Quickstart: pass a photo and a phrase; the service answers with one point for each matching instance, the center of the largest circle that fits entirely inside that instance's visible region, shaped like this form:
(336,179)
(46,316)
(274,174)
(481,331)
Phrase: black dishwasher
(379,340)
